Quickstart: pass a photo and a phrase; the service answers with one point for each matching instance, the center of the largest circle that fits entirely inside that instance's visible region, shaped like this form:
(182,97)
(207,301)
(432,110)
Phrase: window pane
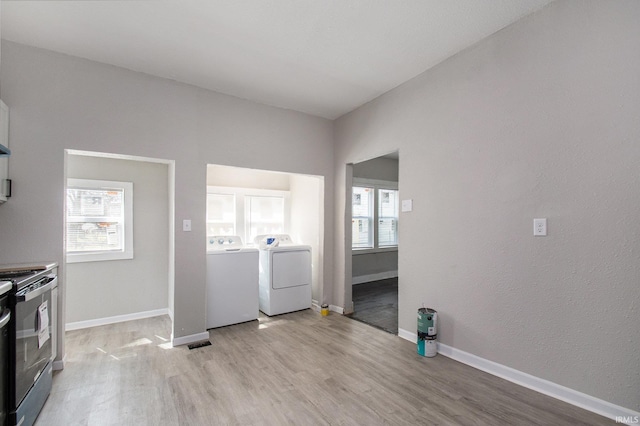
(95,202)
(361,233)
(387,232)
(94,236)
(387,217)
(95,220)
(388,206)
(362,217)
(362,202)
(265,215)
(221,214)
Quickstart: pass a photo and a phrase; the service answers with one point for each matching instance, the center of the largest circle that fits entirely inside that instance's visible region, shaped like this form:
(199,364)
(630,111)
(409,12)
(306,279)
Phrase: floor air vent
(199,344)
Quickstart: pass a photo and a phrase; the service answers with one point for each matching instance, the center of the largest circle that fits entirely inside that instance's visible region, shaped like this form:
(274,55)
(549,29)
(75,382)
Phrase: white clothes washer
(285,274)
(232,281)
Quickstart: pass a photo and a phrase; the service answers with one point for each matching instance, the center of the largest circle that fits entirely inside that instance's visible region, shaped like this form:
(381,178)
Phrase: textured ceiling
(322,57)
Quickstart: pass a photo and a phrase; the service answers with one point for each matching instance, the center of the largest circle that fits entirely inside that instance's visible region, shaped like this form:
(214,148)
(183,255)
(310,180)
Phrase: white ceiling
(322,57)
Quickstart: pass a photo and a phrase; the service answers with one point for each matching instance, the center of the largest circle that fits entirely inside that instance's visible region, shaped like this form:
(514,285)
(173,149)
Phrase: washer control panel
(224,242)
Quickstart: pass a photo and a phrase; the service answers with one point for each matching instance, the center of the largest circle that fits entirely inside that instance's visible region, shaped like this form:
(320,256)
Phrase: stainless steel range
(6,289)
(32,338)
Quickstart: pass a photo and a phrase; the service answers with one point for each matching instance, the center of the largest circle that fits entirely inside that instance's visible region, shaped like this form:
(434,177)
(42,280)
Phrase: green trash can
(427,332)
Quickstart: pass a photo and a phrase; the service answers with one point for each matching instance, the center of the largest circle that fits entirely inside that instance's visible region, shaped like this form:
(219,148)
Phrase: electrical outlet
(540,227)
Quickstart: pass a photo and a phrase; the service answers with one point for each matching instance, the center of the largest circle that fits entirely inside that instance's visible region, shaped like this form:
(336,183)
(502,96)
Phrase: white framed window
(221,214)
(264,214)
(99,220)
(374,215)
(362,217)
(247,212)
(387,217)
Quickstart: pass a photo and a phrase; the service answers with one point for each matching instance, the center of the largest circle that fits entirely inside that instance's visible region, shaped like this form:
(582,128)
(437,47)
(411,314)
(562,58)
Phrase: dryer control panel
(273,240)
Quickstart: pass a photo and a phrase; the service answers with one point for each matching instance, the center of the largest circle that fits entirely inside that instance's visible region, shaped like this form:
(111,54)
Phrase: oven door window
(33,348)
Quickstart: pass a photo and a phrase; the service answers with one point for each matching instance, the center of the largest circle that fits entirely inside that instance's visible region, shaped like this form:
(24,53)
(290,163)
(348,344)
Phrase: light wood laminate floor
(293,369)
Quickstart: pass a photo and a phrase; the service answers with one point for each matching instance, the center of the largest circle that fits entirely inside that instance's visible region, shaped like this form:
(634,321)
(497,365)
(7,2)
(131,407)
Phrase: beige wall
(538,120)
(60,102)
(119,287)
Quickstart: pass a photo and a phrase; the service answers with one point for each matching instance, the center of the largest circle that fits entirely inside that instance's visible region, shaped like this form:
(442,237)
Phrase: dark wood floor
(293,369)
(376,303)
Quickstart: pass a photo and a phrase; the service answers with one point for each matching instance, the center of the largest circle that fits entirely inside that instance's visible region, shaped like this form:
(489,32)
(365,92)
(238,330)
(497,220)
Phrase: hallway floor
(376,303)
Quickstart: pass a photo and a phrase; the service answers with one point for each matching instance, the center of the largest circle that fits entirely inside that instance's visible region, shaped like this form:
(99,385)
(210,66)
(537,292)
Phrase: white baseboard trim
(407,335)
(192,338)
(373,277)
(554,390)
(338,309)
(59,364)
(112,320)
(315,305)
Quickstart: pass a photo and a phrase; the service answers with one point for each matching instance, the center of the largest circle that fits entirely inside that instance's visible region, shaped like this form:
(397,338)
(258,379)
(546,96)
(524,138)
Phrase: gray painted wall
(119,287)
(0,46)
(59,102)
(379,263)
(379,168)
(538,120)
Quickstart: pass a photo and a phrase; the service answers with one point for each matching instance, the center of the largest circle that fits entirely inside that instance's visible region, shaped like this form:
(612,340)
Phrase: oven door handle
(37,292)
(5,287)
(6,316)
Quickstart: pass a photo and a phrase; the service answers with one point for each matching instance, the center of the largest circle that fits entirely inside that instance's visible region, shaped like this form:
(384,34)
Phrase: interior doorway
(290,203)
(374,242)
(119,257)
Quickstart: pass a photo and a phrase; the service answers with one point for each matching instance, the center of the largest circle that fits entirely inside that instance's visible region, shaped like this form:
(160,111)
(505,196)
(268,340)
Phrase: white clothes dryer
(232,281)
(285,274)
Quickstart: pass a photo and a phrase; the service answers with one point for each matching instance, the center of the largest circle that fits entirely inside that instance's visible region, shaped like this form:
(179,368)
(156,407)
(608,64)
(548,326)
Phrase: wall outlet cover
(540,227)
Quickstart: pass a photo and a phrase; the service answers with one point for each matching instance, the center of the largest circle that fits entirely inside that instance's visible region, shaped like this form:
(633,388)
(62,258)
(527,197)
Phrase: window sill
(361,251)
(98,257)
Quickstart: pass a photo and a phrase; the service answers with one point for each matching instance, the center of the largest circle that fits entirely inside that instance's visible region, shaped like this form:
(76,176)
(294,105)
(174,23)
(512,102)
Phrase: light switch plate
(186,225)
(407,205)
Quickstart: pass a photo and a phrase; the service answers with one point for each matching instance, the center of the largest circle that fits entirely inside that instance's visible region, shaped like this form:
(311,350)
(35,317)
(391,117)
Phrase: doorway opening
(374,242)
(250,202)
(119,239)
